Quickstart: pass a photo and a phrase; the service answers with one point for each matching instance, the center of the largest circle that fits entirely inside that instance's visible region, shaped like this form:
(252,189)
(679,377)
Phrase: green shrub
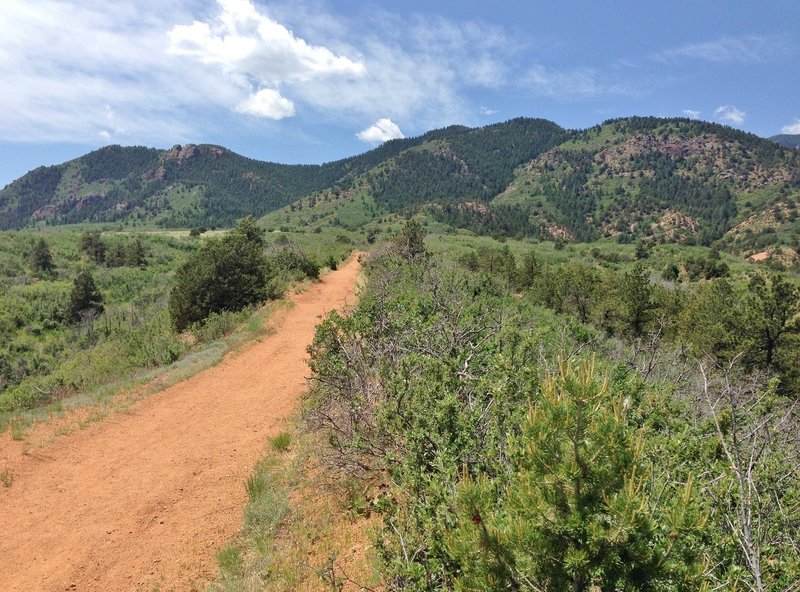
(225,274)
(218,325)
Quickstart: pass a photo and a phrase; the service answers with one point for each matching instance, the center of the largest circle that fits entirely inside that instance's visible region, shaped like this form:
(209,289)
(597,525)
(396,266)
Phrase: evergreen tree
(411,241)
(92,244)
(85,298)
(576,512)
(41,258)
(636,297)
(136,254)
(225,274)
(771,312)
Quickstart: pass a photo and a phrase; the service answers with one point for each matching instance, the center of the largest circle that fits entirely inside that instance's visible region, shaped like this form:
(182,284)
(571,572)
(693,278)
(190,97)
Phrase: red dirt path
(143,501)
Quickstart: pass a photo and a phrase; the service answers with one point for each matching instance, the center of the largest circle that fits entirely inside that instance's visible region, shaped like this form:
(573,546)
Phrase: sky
(311,81)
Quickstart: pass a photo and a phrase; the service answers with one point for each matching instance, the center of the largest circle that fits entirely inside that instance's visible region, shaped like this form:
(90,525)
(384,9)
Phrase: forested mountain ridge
(209,185)
(656,179)
(661,179)
(184,186)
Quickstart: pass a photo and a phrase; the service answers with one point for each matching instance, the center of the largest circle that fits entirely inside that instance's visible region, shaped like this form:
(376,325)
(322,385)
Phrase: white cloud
(381,131)
(487,111)
(691,113)
(730,114)
(748,49)
(242,40)
(79,67)
(418,71)
(267,103)
(162,73)
(792,128)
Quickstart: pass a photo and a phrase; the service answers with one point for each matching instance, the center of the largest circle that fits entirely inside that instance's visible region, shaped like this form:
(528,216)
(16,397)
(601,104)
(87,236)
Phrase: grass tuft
(281,442)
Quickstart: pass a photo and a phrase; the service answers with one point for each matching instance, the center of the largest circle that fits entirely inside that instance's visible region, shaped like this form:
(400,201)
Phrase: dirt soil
(144,500)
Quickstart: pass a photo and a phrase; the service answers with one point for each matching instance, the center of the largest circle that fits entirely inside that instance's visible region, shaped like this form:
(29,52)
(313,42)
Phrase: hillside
(212,186)
(788,140)
(184,186)
(661,179)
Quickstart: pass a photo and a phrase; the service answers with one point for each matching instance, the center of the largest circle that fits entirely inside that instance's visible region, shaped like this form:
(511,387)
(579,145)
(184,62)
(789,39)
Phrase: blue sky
(314,81)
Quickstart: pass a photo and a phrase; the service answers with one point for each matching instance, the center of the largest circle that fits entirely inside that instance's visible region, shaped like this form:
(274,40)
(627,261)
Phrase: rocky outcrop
(181,154)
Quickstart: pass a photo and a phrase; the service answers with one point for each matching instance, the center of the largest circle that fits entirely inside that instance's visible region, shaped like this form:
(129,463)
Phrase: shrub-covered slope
(662,179)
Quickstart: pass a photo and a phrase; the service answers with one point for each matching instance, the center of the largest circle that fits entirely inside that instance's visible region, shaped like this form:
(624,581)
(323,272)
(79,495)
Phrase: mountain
(788,140)
(662,180)
(212,186)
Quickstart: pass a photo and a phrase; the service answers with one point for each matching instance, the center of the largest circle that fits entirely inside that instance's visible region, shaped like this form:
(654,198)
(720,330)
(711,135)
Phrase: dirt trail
(143,501)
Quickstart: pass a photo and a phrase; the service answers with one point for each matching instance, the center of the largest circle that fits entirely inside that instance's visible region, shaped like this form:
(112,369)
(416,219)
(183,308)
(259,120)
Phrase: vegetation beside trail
(295,510)
(81,311)
(533,426)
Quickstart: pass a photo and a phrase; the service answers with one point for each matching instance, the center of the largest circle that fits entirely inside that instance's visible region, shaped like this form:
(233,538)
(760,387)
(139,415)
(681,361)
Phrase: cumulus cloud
(792,128)
(748,49)
(381,131)
(159,73)
(730,114)
(248,45)
(487,111)
(691,113)
(267,103)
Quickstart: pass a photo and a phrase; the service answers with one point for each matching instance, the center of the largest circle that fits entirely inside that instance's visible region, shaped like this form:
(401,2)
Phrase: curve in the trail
(144,500)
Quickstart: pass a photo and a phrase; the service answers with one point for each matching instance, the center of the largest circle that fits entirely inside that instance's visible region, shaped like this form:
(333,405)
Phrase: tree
(771,312)
(636,296)
(41,258)
(576,512)
(225,274)
(85,299)
(580,285)
(136,253)
(411,241)
(92,244)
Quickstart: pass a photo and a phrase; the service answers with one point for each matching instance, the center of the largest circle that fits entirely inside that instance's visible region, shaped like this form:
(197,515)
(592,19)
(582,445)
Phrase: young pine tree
(41,257)
(576,513)
(85,299)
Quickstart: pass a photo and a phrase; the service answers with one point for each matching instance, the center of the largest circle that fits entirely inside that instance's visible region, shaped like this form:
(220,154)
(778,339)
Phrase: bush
(217,326)
(225,274)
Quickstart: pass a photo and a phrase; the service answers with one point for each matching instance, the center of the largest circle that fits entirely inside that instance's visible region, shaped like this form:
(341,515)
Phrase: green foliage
(410,243)
(131,253)
(635,294)
(93,246)
(281,442)
(41,257)
(609,483)
(85,300)
(577,512)
(771,317)
(225,274)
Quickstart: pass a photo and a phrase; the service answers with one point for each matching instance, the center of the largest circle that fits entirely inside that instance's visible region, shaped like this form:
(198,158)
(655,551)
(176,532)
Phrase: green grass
(293,524)
(281,442)
(48,365)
